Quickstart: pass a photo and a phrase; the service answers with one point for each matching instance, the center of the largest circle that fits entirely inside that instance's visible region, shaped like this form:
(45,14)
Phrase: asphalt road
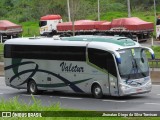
(144,102)
(150,43)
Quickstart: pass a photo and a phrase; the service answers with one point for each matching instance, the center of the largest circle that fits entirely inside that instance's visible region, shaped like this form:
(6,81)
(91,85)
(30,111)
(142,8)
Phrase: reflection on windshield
(134,63)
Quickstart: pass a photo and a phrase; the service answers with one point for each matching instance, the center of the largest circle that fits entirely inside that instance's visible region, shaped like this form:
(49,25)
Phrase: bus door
(112,75)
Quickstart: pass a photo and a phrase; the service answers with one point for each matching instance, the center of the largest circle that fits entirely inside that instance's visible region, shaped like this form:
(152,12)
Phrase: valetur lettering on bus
(71,68)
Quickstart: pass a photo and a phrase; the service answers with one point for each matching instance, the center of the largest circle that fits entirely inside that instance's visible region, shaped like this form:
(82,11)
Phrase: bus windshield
(134,64)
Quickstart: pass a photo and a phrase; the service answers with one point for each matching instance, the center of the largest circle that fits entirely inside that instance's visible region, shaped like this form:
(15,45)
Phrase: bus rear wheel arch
(97,91)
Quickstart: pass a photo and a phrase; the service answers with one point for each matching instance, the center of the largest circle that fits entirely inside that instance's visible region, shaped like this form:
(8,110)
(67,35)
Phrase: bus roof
(109,42)
(122,41)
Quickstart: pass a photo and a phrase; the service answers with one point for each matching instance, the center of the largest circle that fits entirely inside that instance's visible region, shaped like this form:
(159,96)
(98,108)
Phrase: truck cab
(48,24)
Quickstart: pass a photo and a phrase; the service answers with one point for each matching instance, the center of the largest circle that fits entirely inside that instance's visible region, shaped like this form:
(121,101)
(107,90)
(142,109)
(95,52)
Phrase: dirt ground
(155,76)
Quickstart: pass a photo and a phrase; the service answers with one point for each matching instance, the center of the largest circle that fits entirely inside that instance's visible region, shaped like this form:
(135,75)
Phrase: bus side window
(103,60)
(7,53)
(69,53)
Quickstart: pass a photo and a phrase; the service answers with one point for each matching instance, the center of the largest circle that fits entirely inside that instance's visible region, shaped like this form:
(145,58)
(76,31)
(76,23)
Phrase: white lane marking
(1,93)
(114,101)
(71,98)
(30,95)
(51,96)
(152,103)
(158,94)
(155,85)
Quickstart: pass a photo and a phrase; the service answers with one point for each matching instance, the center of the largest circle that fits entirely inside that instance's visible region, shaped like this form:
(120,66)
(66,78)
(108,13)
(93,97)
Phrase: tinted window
(158,22)
(102,59)
(42,23)
(45,52)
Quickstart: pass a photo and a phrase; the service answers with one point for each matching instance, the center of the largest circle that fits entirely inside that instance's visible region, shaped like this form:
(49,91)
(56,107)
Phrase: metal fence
(1,57)
(154,64)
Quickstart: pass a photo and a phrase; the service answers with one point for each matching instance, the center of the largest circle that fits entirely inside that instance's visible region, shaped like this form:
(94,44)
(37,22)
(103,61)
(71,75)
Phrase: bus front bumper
(129,90)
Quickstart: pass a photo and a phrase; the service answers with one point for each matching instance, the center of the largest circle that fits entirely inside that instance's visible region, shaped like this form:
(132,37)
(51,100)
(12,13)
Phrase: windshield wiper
(133,67)
(139,69)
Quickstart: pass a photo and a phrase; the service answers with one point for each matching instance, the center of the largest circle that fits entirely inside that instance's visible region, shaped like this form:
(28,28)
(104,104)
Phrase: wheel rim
(32,87)
(97,91)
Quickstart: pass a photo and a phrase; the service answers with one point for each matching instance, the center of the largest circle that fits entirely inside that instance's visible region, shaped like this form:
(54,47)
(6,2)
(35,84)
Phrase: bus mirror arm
(118,60)
(153,56)
(151,51)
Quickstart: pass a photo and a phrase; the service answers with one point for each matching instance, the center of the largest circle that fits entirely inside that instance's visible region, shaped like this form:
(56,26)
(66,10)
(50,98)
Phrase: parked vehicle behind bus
(132,27)
(97,65)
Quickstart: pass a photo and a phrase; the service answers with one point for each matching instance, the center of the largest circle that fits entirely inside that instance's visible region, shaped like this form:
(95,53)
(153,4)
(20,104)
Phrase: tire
(32,87)
(97,91)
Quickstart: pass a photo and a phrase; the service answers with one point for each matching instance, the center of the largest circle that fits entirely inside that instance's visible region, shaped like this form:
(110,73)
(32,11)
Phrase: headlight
(124,87)
(149,85)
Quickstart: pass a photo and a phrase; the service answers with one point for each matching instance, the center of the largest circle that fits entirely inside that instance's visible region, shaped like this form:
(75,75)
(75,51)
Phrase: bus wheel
(97,91)
(32,87)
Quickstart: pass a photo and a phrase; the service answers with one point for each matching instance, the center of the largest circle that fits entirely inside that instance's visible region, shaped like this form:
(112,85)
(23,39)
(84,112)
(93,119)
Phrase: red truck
(130,27)
(9,29)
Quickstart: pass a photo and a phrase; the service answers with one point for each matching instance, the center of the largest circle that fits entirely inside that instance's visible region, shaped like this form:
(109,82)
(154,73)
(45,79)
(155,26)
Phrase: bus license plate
(139,90)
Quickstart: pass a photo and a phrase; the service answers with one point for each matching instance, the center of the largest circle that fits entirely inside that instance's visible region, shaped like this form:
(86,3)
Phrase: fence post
(152,66)
(137,38)
(28,31)
(1,38)
(152,41)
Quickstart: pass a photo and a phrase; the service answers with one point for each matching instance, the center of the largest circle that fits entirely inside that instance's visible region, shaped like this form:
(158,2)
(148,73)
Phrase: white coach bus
(97,65)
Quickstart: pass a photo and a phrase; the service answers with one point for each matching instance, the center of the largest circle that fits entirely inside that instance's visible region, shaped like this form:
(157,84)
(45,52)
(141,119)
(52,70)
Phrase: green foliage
(21,11)
(16,104)
(109,16)
(156,49)
(1,48)
(26,10)
(30,28)
(29,10)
